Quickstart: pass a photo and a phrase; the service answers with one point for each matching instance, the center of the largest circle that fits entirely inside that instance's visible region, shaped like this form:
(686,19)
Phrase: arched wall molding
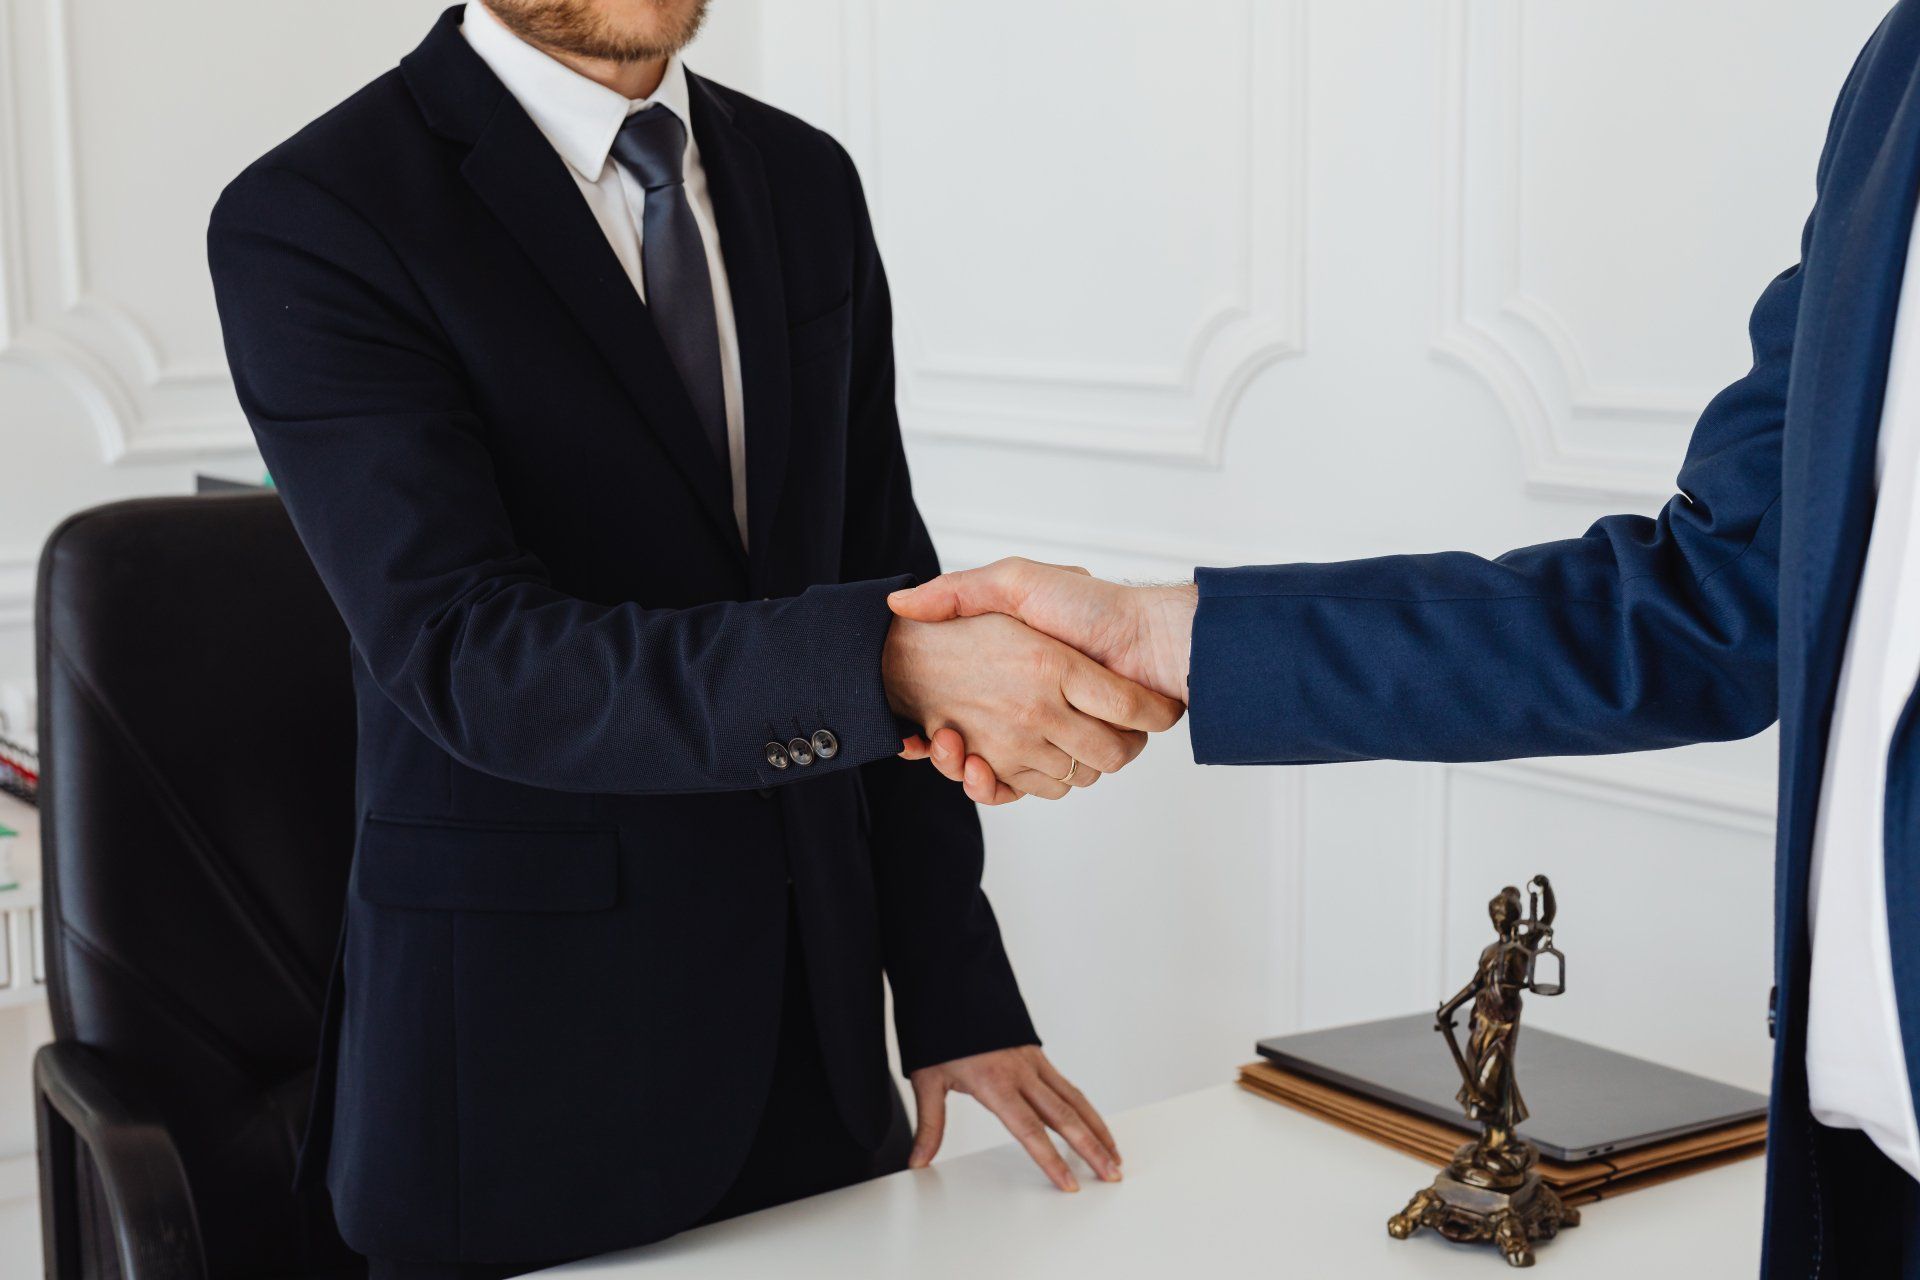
(54,315)
(1177,409)
(1568,425)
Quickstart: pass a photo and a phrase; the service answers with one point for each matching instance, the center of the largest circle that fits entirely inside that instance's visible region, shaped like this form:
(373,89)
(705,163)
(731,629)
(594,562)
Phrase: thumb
(936,600)
(930,1116)
(994,588)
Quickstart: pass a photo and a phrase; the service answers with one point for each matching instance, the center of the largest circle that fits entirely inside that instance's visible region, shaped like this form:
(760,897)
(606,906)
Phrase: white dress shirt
(1856,1061)
(580,119)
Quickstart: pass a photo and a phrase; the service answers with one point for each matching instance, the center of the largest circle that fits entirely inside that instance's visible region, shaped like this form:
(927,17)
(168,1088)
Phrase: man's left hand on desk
(1030,1096)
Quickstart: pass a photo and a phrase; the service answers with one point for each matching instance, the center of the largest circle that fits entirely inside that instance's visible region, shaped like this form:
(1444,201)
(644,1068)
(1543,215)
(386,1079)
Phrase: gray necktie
(673,261)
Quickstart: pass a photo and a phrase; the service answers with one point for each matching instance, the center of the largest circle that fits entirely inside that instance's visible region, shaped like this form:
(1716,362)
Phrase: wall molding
(1175,412)
(1634,781)
(1692,795)
(54,316)
(1491,325)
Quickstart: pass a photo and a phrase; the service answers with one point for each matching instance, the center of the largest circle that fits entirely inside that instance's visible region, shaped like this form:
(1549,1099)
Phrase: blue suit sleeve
(1644,633)
(362,414)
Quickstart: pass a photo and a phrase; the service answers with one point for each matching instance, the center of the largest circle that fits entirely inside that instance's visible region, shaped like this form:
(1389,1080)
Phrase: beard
(585,30)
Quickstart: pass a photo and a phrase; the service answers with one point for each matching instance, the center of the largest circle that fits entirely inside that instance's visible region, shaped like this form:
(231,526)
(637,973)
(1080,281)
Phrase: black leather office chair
(197,744)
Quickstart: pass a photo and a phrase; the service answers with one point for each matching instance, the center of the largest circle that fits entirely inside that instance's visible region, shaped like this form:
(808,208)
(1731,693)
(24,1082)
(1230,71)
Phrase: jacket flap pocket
(451,867)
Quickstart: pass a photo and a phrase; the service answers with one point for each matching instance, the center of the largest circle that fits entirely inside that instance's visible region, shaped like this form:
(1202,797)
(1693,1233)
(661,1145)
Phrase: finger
(929,1117)
(1106,696)
(1064,1120)
(1024,1123)
(1078,1101)
(983,787)
(1035,783)
(949,752)
(991,588)
(1096,744)
(1075,771)
(914,748)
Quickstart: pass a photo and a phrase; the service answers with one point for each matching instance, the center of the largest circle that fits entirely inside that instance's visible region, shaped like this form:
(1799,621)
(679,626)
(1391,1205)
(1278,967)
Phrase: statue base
(1512,1219)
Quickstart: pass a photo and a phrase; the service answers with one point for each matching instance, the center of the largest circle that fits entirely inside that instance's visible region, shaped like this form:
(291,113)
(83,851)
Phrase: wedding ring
(1072,769)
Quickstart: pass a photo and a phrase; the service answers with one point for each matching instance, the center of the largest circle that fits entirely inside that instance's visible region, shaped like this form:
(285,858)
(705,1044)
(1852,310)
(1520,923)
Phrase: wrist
(896,664)
(1166,636)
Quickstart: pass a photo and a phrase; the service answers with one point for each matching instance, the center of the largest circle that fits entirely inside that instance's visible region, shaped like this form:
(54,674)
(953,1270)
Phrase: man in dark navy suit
(1782,581)
(575,371)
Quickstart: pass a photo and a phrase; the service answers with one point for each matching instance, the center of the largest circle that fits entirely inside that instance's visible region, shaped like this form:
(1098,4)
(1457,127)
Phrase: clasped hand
(1034,679)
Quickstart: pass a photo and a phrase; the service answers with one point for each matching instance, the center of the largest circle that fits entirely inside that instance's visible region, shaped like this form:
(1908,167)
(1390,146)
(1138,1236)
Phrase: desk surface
(1217,1183)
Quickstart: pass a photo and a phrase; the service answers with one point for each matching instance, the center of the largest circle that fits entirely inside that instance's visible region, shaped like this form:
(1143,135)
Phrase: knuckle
(1029,715)
(1042,663)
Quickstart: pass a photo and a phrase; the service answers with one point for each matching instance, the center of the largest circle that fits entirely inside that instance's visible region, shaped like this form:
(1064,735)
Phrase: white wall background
(1218,282)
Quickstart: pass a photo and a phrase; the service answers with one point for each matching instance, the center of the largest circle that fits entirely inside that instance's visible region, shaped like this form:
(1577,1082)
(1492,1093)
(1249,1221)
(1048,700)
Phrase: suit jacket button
(777,755)
(802,751)
(825,745)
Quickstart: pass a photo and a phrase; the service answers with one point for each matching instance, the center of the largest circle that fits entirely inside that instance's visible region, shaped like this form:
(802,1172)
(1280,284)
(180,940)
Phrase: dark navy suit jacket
(1728,609)
(556,1013)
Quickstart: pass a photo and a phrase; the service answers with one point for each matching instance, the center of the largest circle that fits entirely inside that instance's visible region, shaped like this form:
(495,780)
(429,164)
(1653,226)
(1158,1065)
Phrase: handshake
(1034,679)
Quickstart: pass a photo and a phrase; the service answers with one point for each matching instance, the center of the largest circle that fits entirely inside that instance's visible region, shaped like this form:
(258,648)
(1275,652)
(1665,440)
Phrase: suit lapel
(743,208)
(1848,389)
(515,172)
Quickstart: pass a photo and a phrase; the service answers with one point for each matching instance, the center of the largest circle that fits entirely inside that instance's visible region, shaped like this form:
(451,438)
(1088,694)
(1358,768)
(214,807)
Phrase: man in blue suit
(1782,581)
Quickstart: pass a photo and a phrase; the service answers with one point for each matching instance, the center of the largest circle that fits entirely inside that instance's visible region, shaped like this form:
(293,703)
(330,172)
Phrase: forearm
(954,991)
(1574,648)
(528,684)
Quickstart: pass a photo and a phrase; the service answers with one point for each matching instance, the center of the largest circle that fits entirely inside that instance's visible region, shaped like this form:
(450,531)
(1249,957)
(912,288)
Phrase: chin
(615,30)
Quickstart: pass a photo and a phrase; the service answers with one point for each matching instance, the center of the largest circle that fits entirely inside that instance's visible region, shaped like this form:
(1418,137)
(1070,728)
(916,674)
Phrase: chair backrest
(197,743)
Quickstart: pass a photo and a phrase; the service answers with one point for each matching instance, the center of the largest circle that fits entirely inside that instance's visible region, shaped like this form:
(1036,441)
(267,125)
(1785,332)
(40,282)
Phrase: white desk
(1218,1183)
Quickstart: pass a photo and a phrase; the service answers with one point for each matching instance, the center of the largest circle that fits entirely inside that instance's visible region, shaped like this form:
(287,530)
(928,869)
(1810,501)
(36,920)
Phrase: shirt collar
(579,117)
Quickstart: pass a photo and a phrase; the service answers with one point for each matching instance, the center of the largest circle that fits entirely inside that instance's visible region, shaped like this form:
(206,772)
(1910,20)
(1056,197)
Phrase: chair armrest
(154,1229)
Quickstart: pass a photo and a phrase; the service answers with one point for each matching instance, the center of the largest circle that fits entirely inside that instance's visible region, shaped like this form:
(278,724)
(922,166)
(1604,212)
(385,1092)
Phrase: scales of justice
(1492,1191)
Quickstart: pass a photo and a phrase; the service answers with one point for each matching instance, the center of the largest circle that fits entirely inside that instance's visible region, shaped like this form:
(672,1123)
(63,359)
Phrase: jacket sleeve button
(777,755)
(825,745)
(802,752)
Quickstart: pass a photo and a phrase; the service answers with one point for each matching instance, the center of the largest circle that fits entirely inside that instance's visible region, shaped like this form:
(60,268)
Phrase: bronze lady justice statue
(1492,1191)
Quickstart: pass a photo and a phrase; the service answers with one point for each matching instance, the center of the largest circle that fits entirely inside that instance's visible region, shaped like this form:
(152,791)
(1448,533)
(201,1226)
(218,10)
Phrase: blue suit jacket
(555,1018)
(1728,609)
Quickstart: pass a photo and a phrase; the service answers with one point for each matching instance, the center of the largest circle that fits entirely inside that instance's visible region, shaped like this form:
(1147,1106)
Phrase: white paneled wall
(1217,282)
(1262,280)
